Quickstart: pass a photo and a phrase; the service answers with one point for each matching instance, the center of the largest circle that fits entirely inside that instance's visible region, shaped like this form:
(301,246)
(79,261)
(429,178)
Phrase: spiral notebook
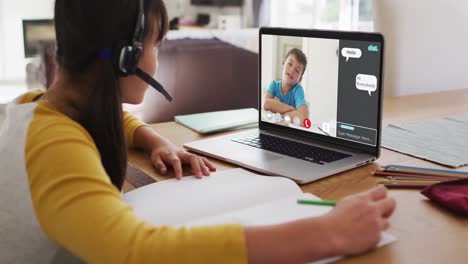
(441,140)
(211,122)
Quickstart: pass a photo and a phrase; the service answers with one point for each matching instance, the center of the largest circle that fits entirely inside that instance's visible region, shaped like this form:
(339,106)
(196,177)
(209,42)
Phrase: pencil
(411,186)
(414,179)
(419,173)
(425,171)
(317,202)
(406,182)
(393,174)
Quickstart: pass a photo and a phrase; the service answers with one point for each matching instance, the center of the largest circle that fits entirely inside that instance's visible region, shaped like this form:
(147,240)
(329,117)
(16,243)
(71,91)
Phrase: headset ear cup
(128,59)
(124,60)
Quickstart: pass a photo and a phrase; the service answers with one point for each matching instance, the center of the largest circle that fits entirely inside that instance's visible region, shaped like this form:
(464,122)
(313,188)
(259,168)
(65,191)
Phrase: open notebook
(228,196)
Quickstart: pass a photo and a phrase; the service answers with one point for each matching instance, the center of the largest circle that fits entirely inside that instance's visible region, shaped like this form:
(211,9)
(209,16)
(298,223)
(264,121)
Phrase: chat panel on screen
(358,91)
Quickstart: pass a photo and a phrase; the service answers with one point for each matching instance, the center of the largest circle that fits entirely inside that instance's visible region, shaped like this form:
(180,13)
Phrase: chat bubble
(366,82)
(351,53)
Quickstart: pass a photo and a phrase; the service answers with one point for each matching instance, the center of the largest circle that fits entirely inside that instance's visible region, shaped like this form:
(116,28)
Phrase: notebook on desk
(211,122)
(228,196)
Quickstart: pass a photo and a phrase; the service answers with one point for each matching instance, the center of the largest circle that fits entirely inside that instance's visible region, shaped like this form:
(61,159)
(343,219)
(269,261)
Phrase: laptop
(320,106)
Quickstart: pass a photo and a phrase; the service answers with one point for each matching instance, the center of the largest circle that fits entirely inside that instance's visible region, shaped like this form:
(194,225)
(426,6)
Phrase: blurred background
(422,42)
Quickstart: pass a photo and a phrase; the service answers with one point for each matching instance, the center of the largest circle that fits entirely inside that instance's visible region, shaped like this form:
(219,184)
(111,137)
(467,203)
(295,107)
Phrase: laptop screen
(324,86)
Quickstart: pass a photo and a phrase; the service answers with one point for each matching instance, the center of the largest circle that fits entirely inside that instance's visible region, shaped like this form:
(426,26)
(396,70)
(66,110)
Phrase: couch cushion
(203,75)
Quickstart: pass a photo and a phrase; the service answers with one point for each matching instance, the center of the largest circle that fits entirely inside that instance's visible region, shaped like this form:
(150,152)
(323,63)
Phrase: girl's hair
(83,29)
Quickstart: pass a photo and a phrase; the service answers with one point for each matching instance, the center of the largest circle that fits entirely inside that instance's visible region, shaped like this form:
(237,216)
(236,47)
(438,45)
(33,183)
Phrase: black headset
(129,55)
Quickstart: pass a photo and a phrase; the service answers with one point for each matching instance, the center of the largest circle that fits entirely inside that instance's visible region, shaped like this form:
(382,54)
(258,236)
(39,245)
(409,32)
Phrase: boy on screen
(286,96)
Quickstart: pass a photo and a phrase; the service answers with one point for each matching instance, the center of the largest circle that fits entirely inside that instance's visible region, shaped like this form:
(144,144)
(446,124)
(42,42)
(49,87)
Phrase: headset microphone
(153,83)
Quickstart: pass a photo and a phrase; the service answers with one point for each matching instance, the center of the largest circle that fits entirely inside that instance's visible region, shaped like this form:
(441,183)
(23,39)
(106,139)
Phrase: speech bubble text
(351,53)
(366,82)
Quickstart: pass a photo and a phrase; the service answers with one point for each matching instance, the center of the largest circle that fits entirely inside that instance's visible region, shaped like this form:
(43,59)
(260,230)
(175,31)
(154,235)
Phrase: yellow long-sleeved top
(76,205)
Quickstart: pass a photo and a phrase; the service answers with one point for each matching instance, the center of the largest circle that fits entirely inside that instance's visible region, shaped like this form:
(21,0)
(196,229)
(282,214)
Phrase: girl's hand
(357,221)
(168,154)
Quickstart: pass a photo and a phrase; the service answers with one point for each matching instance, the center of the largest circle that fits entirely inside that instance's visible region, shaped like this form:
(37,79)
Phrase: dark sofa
(202,75)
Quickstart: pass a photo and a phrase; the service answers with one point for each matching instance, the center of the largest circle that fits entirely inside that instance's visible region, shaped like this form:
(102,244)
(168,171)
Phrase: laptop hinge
(289,136)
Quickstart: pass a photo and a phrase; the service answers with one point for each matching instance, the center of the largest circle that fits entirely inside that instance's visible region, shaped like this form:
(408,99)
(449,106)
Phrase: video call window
(323,86)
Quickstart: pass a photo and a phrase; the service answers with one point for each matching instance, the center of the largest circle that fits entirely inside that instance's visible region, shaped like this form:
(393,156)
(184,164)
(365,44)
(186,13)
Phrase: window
(2,48)
(325,14)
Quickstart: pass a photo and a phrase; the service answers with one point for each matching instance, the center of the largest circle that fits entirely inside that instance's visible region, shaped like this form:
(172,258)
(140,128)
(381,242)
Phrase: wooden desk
(426,233)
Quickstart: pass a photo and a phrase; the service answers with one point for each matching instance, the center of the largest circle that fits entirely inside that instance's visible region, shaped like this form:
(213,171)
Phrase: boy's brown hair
(300,56)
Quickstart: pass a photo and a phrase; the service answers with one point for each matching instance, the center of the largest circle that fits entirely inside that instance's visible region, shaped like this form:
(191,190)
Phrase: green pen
(317,202)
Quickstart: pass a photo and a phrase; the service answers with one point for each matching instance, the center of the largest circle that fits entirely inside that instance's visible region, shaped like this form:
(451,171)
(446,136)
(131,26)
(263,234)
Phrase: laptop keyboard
(292,148)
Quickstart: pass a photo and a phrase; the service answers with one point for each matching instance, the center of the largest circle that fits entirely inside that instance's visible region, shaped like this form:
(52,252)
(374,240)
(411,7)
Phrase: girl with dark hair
(66,149)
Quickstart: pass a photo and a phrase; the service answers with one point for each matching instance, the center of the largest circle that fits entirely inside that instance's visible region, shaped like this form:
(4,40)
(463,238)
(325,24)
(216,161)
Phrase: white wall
(320,81)
(426,43)
(269,46)
(2,50)
(12,14)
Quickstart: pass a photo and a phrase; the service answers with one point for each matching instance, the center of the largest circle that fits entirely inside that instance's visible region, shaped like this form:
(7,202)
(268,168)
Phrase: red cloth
(451,194)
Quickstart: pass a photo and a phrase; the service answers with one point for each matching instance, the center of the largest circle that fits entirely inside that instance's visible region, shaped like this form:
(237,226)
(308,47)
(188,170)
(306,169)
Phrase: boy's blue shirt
(295,97)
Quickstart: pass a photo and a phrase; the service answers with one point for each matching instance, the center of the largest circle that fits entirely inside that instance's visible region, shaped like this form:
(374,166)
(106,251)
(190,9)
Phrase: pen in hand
(317,202)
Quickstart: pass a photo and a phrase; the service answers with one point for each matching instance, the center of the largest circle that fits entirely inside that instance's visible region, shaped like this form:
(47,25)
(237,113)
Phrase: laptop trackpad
(261,157)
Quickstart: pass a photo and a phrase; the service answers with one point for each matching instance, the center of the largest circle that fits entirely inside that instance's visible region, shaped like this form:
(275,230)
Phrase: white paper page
(385,240)
(174,202)
(278,211)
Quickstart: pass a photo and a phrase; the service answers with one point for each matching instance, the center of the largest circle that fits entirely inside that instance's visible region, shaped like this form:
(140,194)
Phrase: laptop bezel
(326,34)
